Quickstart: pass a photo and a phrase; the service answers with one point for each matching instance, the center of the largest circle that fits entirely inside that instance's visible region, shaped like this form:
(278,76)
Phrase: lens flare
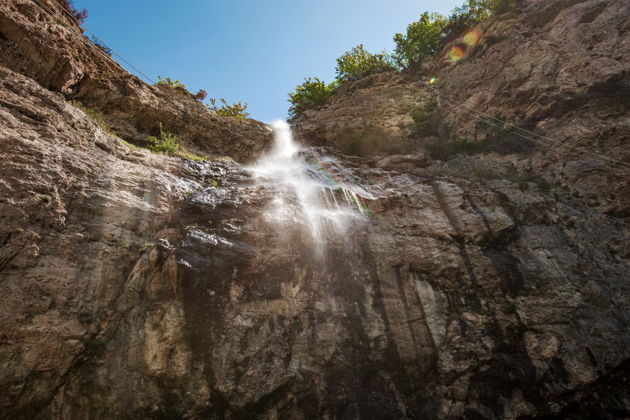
(471,37)
(432,80)
(309,190)
(455,54)
(351,197)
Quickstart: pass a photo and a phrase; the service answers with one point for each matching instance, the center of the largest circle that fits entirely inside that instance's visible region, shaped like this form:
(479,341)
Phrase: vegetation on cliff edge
(234,110)
(423,38)
(311,94)
(79,15)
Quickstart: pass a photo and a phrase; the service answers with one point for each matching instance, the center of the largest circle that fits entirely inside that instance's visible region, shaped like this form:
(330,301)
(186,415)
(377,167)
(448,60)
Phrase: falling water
(308,190)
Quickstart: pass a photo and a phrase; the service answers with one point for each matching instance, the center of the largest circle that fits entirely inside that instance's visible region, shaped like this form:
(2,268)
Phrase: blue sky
(254,51)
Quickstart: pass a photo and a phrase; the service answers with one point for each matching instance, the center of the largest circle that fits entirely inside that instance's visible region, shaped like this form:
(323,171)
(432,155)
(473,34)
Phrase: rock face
(45,44)
(136,285)
(558,71)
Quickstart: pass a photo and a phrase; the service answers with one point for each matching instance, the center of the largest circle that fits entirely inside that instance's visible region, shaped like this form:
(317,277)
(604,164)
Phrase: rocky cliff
(492,285)
(39,40)
(557,70)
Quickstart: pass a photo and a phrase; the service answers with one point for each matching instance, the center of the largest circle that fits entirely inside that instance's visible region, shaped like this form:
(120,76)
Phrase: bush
(96,117)
(165,144)
(426,36)
(192,156)
(472,13)
(499,7)
(236,110)
(79,15)
(311,94)
(175,84)
(358,63)
(421,40)
(469,14)
(200,95)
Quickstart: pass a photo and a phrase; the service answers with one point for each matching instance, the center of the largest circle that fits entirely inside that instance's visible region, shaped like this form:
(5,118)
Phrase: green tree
(421,40)
(473,12)
(498,7)
(311,94)
(358,63)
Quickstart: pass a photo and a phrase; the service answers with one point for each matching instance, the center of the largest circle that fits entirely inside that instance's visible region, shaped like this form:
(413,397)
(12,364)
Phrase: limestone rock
(135,285)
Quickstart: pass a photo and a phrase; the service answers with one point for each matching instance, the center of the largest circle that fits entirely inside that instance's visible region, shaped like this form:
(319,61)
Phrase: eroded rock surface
(136,285)
(45,44)
(557,70)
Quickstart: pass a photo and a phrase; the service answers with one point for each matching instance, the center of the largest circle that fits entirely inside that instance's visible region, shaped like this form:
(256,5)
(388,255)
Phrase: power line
(485,117)
(47,9)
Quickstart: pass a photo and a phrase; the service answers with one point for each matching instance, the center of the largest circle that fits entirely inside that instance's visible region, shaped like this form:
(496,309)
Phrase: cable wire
(69,13)
(540,138)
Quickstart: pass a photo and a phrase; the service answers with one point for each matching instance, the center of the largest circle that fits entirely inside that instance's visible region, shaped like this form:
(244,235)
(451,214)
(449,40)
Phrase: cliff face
(44,44)
(137,285)
(557,69)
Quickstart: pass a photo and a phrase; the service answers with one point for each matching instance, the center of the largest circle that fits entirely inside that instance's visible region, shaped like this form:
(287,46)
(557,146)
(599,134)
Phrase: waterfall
(309,190)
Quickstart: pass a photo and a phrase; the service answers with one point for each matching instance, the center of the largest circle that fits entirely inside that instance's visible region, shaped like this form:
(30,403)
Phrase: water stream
(308,190)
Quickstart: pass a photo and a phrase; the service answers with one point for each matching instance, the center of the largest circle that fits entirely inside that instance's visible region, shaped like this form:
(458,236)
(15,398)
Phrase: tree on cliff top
(311,94)
(421,40)
(358,63)
(426,36)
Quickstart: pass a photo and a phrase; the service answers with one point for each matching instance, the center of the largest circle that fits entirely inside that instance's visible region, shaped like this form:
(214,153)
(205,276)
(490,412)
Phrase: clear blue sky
(254,51)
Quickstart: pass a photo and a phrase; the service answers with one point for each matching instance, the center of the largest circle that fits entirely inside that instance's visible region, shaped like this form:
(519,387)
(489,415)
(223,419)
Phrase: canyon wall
(492,285)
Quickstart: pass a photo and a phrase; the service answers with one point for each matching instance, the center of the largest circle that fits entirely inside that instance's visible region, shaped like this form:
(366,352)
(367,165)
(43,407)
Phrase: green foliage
(499,7)
(192,156)
(358,63)
(96,117)
(146,246)
(165,144)
(129,145)
(473,12)
(167,82)
(469,14)
(426,36)
(421,40)
(311,94)
(235,110)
